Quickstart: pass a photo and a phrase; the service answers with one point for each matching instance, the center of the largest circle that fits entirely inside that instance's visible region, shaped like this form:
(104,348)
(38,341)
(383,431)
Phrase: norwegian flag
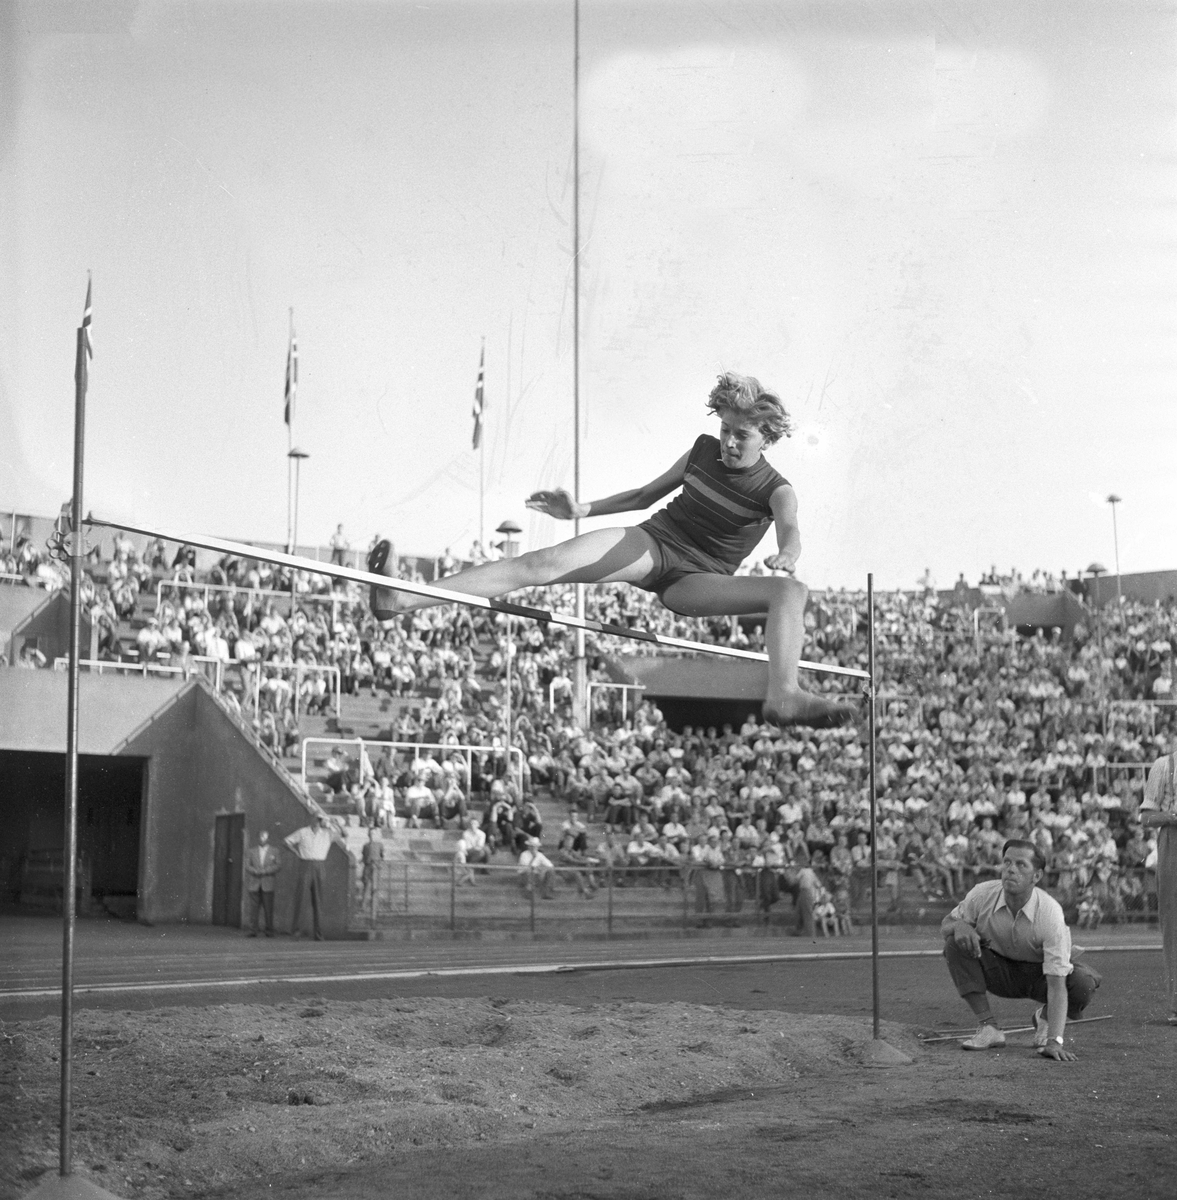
(479,401)
(85,348)
(291,375)
(87,317)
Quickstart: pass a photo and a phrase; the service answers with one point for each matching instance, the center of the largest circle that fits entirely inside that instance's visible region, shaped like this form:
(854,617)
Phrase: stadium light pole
(1113,500)
(295,455)
(1095,570)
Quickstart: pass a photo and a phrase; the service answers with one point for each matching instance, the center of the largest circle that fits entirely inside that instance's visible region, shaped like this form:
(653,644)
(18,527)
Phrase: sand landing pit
(180,1101)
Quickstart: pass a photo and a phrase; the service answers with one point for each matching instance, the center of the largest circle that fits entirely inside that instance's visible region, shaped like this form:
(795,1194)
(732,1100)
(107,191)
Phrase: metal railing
(260,667)
(467,751)
(465,895)
(1125,706)
(202,664)
(239,590)
(469,895)
(623,688)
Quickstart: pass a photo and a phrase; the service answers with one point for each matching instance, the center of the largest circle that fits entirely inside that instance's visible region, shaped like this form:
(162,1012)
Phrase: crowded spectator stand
(985,731)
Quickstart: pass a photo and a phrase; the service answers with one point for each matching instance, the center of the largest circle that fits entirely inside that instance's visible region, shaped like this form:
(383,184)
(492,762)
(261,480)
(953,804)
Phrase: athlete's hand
(1055,1051)
(967,938)
(558,504)
(781,562)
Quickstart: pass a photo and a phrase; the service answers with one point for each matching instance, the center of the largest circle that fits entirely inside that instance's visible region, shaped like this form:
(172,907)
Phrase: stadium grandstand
(221,696)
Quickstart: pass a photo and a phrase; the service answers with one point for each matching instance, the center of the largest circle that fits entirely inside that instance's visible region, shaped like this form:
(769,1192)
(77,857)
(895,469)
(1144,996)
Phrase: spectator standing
(310,845)
(339,546)
(372,858)
(261,865)
(1159,811)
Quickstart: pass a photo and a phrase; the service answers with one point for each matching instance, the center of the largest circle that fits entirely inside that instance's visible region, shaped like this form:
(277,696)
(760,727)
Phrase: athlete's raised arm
(561,505)
(783,503)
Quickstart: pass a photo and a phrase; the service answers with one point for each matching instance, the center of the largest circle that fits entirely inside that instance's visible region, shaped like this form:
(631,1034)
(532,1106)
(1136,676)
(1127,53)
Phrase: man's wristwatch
(1057,1040)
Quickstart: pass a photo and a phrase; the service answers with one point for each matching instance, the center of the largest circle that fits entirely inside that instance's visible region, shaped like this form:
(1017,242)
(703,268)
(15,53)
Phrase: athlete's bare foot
(808,708)
(385,603)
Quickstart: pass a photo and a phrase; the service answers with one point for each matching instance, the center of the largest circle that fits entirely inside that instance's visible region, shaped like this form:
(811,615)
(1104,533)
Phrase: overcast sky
(943,232)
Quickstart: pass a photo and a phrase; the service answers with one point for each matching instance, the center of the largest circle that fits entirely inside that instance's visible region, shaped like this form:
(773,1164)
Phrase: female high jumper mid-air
(685,553)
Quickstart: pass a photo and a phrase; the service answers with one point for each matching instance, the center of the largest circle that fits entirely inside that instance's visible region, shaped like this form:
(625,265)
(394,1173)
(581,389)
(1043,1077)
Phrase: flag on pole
(478,400)
(85,348)
(86,318)
(291,375)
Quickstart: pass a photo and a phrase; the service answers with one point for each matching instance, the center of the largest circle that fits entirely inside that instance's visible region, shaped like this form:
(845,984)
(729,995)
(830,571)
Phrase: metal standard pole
(453,895)
(1113,500)
(609,910)
(874,858)
(69,863)
(580,668)
(507,706)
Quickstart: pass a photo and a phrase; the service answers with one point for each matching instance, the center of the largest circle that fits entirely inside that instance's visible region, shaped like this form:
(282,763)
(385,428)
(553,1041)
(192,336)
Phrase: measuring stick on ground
(961,1035)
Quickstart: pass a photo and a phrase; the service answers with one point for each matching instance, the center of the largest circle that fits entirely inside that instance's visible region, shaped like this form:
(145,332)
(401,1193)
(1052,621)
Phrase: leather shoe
(987,1037)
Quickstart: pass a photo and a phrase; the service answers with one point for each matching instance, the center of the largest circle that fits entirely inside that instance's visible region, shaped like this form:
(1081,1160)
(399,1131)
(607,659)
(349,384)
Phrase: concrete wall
(202,766)
(1148,586)
(199,765)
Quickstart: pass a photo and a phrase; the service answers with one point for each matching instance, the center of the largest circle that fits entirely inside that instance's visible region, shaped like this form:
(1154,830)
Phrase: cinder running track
(127,966)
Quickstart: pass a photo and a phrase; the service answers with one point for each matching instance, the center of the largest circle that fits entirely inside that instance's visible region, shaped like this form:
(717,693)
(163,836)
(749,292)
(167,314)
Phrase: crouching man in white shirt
(1008,937)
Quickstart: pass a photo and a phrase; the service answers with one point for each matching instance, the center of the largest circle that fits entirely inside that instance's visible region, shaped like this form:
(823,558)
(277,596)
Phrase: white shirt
(533,860)
(310,843)
(1038,933)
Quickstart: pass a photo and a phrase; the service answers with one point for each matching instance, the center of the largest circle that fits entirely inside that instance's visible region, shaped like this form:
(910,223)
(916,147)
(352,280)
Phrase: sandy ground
(615,1085)
(181,1101)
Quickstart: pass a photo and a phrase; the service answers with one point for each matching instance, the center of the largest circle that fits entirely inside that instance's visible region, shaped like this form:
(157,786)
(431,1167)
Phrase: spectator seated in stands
(471,848)
(31,657)
(572,852)
(452,805)
(536,871)
(421,801)
(500,818)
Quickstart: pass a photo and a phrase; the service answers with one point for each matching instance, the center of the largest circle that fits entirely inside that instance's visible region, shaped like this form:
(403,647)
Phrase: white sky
(943,231)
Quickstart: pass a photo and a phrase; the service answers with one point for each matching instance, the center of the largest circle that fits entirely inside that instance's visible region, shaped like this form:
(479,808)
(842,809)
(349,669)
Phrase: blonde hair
(743,394)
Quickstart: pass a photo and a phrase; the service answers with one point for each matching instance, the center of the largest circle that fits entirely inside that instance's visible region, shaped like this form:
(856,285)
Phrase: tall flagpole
(291,388)
(480,446)
(874,857)
(580,672)
(69,879)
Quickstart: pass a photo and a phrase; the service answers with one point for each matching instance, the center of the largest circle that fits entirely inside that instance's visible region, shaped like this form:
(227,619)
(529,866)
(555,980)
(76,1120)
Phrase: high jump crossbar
(444,596)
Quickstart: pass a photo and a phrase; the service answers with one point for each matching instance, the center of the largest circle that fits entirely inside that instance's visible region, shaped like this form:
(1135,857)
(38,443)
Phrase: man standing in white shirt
(310,845)
(1009,937)
(1159,812)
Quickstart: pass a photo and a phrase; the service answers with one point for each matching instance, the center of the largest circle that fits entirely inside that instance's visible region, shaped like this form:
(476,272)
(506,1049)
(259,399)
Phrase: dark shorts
(674,558)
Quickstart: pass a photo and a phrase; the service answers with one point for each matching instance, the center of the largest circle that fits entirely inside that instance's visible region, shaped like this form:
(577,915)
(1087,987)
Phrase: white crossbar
(445,596)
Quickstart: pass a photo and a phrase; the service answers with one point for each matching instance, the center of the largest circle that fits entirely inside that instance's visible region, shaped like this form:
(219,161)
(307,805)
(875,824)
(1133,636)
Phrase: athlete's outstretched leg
(623,555)
(785,702)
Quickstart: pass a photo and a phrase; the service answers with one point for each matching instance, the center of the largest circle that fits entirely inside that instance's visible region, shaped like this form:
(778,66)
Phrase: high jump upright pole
(69,864)
(579,666)
(874,863)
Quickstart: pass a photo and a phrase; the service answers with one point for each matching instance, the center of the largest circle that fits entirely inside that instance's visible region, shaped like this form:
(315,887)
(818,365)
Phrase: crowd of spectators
(982,734)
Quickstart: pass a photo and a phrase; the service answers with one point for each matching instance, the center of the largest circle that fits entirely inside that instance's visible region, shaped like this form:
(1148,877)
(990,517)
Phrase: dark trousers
(1014,980)
(309,890)
(262,900)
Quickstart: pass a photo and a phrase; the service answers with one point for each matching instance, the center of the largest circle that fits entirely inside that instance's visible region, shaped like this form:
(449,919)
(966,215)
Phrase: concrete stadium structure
(171,792)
